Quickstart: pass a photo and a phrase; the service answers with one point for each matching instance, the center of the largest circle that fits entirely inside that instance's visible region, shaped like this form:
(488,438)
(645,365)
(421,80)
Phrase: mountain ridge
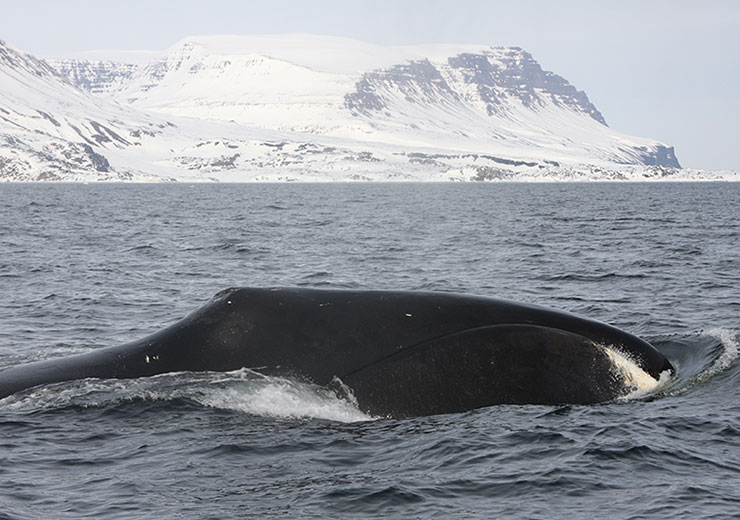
(299,108)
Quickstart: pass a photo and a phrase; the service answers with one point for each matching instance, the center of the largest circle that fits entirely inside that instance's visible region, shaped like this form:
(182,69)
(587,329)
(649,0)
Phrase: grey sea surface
(88,266)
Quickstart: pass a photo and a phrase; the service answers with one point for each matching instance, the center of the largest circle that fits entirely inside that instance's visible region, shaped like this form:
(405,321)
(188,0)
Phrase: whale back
(374,339)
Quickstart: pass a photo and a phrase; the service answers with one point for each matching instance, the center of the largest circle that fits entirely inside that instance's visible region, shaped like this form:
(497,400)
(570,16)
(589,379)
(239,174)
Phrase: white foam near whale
(730,341)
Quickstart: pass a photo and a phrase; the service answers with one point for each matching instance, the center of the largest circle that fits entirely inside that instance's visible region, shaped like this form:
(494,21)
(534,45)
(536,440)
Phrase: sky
(668,70)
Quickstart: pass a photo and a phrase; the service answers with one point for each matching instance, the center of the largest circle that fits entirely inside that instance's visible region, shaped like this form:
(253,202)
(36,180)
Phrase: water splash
(702,355)
(249,392)
(241,390)
(730,352)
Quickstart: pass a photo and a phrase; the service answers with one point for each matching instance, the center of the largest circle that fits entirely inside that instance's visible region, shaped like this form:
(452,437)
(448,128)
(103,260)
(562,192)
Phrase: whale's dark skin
(401,353)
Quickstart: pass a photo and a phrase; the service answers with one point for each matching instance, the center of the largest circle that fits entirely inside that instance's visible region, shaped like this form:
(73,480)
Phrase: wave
(591,277)
(699,357)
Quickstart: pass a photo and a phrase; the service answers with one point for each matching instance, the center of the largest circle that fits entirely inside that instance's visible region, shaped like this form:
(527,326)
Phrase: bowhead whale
(398,353)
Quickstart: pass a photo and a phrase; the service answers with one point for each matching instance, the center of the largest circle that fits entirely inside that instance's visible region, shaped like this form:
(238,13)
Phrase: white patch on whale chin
(638,382)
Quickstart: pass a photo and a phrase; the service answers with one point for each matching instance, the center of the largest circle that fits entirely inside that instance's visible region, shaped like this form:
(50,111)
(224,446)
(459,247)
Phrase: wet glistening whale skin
(399,353)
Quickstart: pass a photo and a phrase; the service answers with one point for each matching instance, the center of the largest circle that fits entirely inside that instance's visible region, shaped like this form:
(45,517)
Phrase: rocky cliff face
(503,74)
(491,81)
(97,77)
(660,156)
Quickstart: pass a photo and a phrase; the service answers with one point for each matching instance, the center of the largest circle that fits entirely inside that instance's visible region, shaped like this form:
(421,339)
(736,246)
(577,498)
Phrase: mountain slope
(52,130)
(499,100)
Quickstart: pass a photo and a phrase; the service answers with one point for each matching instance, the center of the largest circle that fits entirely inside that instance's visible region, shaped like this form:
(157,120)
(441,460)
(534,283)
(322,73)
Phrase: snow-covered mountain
(52,130)
(308,108)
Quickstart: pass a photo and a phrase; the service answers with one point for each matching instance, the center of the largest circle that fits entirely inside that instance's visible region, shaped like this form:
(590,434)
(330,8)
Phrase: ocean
(88,266)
